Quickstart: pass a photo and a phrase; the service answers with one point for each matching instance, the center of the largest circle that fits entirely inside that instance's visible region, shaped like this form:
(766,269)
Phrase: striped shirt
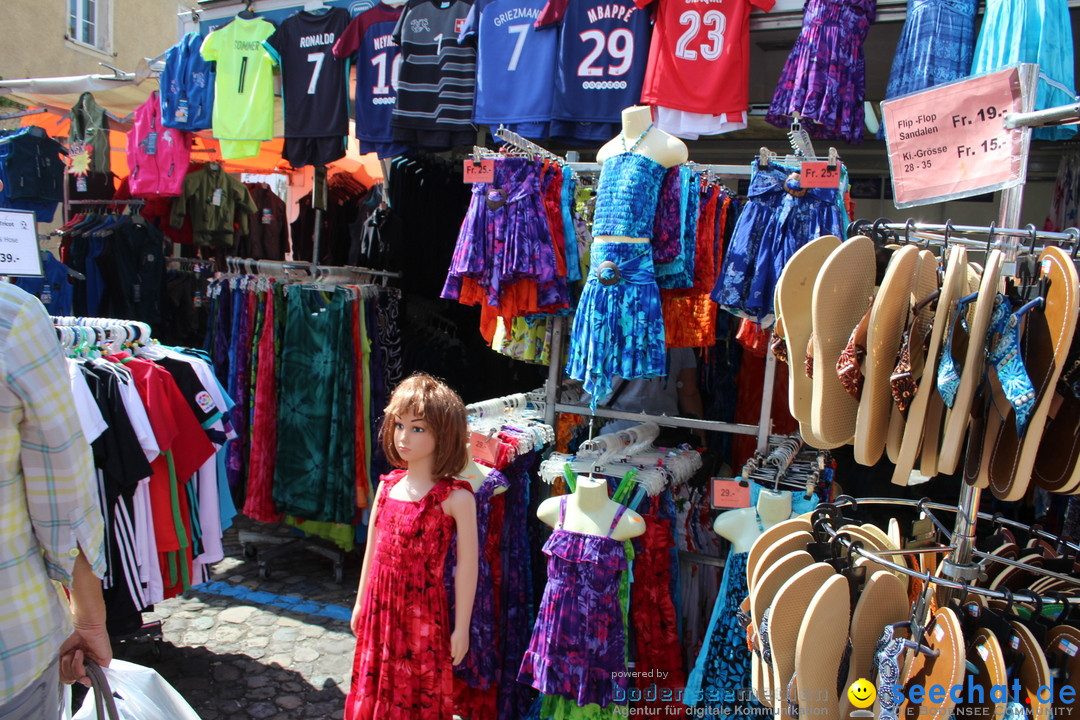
(48,495)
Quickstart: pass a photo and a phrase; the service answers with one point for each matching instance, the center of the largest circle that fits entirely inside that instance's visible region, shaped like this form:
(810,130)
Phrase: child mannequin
(404,647)
(744,525)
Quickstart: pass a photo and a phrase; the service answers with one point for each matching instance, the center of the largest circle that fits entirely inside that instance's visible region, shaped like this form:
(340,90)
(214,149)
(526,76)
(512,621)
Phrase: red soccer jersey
(699,59)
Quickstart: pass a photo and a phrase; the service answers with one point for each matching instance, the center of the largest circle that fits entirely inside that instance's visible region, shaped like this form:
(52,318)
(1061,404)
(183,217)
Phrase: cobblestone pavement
(241,647)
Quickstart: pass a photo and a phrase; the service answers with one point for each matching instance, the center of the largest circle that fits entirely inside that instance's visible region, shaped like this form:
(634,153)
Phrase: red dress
(402,667)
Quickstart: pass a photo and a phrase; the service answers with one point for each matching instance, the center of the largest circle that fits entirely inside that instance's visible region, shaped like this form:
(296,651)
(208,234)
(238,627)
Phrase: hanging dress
(824,78)
(936,45)
(402,667)
(578,646)
(1031,31)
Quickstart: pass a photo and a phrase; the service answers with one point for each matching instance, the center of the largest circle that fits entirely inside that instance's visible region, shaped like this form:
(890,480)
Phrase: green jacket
(217,202)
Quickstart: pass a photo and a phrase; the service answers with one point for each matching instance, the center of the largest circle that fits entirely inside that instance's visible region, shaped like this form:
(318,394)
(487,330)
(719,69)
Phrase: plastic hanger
(247,13)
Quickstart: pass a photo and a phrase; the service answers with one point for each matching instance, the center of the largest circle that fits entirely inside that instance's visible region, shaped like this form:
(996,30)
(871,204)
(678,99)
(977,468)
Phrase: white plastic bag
(140,694)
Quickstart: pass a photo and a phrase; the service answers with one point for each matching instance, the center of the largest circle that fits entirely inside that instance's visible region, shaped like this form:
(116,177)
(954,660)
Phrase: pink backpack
(158,156)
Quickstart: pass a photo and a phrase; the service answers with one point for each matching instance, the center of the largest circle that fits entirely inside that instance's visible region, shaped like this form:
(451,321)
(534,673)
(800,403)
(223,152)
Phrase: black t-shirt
(314,83)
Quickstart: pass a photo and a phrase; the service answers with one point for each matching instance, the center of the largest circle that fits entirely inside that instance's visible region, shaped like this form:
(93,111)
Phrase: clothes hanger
(247,13)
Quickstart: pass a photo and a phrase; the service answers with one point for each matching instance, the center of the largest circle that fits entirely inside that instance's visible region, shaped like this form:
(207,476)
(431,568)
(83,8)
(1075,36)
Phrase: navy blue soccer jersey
(602,55)
(314,83)
(515,76)
(369,39)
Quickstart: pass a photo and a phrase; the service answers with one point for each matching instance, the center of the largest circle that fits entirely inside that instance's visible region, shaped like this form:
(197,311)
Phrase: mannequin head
(773,507)
(422,396)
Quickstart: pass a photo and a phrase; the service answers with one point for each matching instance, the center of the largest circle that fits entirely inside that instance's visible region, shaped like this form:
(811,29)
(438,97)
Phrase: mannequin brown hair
(444,413)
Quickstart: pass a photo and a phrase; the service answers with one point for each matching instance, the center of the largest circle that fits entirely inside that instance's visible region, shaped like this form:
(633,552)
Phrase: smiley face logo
(862,693)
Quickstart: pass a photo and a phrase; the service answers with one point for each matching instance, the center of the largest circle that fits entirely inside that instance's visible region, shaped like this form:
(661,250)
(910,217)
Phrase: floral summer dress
(402,667)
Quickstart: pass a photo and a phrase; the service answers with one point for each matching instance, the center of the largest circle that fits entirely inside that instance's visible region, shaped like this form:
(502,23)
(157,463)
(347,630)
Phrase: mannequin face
(413,439)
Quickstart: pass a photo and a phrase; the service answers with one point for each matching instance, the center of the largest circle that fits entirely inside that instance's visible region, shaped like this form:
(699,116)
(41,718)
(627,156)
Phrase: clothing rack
(943,580)
(263,267)
(513,139)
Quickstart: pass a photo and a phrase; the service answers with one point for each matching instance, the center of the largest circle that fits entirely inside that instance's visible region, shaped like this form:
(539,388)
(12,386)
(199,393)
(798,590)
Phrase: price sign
(819,175)
(484,448)
(478,172)
(729,494)
(950,142)
(19,255)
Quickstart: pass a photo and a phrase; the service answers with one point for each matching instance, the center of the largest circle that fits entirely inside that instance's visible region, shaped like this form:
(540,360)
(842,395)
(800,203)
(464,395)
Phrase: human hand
(354,621)
(459,645)
(89,640)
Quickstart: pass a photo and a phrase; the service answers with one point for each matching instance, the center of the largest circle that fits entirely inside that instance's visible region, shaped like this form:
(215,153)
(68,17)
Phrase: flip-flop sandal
(946,670)
(794,295)
(820,648)
(1045,344)
(841,292)
(887,317)
(1063,649)
(760,599)
(1056,461)
(767,538)
(1016,578)
(913,358)
(785,618)
(984,652)
(783,546)
(958,416)
(1034,671)
(919,420)
(869,540)
(882,537)
(883,601)
(1039,544)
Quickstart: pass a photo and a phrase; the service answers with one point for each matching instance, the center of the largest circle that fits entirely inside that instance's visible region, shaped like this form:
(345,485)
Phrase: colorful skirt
(618,328)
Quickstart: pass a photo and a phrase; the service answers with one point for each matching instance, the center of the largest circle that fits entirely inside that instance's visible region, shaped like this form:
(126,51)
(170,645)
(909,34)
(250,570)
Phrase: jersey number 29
(619,45)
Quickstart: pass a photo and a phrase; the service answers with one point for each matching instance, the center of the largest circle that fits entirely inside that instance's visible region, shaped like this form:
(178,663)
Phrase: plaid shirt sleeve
(57,466)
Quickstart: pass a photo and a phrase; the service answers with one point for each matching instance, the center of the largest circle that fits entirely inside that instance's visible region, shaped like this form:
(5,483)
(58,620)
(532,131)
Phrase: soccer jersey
(515,73)
(437,80)
(603,50)
(314,88)
(370,38)
(699,60)
(244,86)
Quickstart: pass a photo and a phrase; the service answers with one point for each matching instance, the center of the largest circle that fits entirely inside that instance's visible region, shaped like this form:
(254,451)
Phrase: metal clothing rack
(262,267)
(943,580)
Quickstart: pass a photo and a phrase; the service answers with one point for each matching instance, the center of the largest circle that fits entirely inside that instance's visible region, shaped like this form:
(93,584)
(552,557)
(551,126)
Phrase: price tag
(729,494)
(949,142)
(19,256)
(80,183)
(478,172)
(484,448)
(267,216)
(151,142)
(819,175)
(215,200)
(181,115)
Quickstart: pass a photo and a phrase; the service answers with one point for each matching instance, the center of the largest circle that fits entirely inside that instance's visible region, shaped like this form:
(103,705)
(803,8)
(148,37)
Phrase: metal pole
(554,378)
(958,565)
(765,418)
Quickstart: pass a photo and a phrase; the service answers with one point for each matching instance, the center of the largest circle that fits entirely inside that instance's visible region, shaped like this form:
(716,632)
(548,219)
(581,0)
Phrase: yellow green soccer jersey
(244,90)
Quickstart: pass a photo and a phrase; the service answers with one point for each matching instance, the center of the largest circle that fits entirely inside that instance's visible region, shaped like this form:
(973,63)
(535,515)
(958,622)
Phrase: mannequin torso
(743,526)
(589,511)
(641,138)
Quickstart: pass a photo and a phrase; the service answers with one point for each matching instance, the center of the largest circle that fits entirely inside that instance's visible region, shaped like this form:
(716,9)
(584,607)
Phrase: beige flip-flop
(794,296)
(767,538)
(891,307)
(1046,340)
(820,647)
(971,371)
(783,546)
(760,599)
(883,601)
(919,420)
(785,619)
(924,290)
(841,293)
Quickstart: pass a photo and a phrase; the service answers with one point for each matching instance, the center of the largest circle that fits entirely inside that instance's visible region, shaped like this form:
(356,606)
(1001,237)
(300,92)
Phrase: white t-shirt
(91,421)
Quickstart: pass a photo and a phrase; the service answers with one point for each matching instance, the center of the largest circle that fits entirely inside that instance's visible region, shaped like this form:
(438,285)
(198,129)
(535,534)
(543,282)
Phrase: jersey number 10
(379,62)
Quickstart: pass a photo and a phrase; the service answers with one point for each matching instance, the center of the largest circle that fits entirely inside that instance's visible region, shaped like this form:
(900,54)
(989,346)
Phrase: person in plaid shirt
(51,528)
